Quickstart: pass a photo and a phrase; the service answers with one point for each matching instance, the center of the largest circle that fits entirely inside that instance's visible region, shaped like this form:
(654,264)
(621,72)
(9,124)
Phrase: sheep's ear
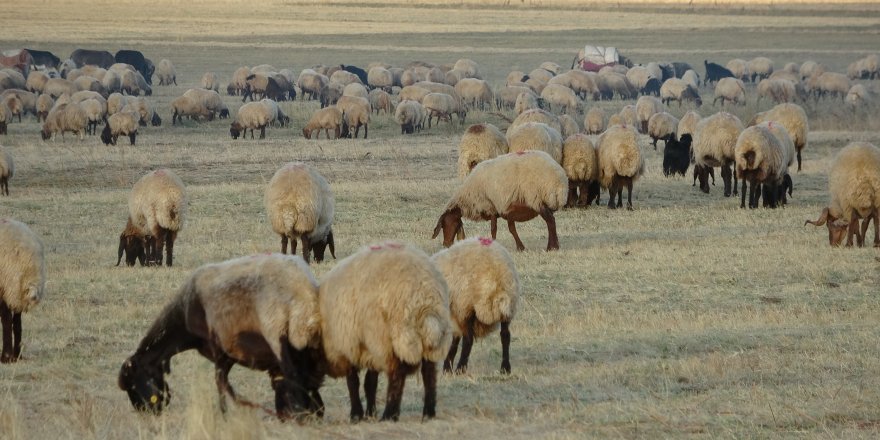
(459,233)
(331,244)
(822,218)
(121,248)
(438,228)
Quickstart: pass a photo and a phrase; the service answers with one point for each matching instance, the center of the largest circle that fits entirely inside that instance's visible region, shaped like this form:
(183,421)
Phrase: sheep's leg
(505,347)
(467,342)
(262,132)
(620,195)
(371,383)
(429,381)
(221,375)
(734,180)
(284,244)
(307,247)
(365,131)
(875,216)
(725,175)
(511,226)
(6,318)
(290,396)
(629,194)
(742,201)
(612,191)
(292,246)
(493,227)
(552,238)
(170,236)
(572,194)
(583,194)
(799,160)
(396,381)
(354,384)
(450,358)
(159,246)
(753,201)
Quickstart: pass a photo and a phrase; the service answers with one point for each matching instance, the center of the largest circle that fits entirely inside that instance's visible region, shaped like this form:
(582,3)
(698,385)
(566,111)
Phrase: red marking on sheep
(376,247)
(394,245)
(159,172)
(485,241)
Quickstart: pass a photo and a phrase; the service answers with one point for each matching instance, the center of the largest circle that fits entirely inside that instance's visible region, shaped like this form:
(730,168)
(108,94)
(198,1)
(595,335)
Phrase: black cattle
(44,58)
(715,72)
(100,58)
(138,61)
(361,73)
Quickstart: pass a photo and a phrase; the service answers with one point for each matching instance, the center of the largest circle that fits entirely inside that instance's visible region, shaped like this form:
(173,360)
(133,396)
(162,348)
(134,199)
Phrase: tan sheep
(385,308)
(516,187)
(628,116)
(112,82)
(22,281)
(413,93)
(478,143)
(188,106)
(507,96)
(7,171)
(36,81)
(484,289)
(166,73)
(687,124)
(410,116)
(739,68)
(91,84)
(251,116)
(535,136)
(355,114)
(854,187)
(5,119)
(470,68)
(638,76)
(328,118)
(130,84)
(859,95)
(300,205)
(524,102)
(345,78)
(730,89)
(581,164)
(356,90)
(536,115)
(662,126)
(514,76)
(381,100)
(380,78)
(569,126)
(443,106)
(156,211)
(829,84)
(675,89)
(96,111)
(56,87)
(561,97)
(713,142)
(125,122)
(762,160)
(647,106)
(810,69)
(594,121)
(793,118)
(777,90)
(474,92)
(13,106)
(760,68)
(621,163)
(44,104)
(613,83)
(311,83)
(239,80)
(63,118)
(436,87)
(145,110)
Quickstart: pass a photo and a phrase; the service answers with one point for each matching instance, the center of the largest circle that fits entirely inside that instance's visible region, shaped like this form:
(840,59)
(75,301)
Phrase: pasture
(687,317)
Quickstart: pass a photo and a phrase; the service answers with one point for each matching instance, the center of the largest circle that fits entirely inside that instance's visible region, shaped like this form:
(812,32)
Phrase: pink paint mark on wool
(159,172)
(394,245)
(375,247)
(520,153)
(485,241)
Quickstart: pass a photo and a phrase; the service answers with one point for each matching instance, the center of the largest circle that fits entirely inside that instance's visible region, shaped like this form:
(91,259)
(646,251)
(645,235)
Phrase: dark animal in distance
(714,72)
(137,60)
(100,58)
(677,156)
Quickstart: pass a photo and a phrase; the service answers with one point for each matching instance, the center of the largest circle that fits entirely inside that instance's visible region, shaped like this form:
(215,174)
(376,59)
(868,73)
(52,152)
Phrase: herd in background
(548,158)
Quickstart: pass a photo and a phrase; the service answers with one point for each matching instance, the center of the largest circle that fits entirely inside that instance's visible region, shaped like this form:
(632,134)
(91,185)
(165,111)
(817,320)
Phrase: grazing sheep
(356,90)
(443,106)
(63,118)
(112,82)
(44,104)
(536,115)
(166,73)
(760,68)
(478,143)
(345,78)
(777,90)
(715,72)
(793,118)
(130,84)
(211,82)
(687,124)
(470,68)
(784,74)
(662,126)
(121,123)
(36,81)
(677,155)
(258,311)
(713,142)
(251,116)
(239,80)
(854,187)
(96,111)
(562,97)
(210,100)
(790,67)
(329,118)
(582,83)
(535,136)
(7,171)
(156,209)
(628,116)
(5,119)
(647,106)
(730,89)
(739,68)
(692,77)
(474,91)
(594,121)
(188,106)
(569,126)
(829,84)
(355,114)
(311,83)
(12,79)
(581,164)
(515,76)
(507,96)
(381,100)
(380,78)
(300,205)
(638,76)
(413,93)
(13,106)
(620,163)
(56,87)
(330,94)
(675,89)
(761,159)
(859,95)
(484,289)
(275,113)
(22,281)
(611,83)
(811,68)
(524,102)
(516,187)
(410,114)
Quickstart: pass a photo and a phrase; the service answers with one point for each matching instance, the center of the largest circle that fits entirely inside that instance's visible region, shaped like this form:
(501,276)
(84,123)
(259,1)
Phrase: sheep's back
(298,200)
(22,268)
(619,154)
(157,199)
(854,180)
(715,138)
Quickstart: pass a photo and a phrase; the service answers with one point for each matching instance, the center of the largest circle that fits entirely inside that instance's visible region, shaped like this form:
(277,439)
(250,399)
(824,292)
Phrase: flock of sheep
(270,313)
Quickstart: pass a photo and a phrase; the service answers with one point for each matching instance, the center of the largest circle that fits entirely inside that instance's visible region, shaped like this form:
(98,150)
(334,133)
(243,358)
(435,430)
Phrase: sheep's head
(235,130)
(45,134)
(145,385)
(156,120)
(224,113)
(319,246)
(133,245)
(451,225)
(836,227)
(106,138)
(307,133)
(702,172)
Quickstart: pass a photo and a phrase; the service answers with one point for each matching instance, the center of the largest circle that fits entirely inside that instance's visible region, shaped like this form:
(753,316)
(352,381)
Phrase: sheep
(311,83)
(675,89)
(156,211)
(854,187)
(524,102)
(275,113)
(514,76)
(829,84)
(380,77)
(647,106)
(612,83)
(677,155)
(691,77)
(859,95)
(329,118)
(394,327)
(355,114)
(784,74)
(7,171)
(12,79)
(36,81)
(92,84)
(628,116)
(793,118)
(569,126)
(762,159)
(121,123)
(516,187)
(112,82)
(536,115)
(687,124)
(562,97)
(714,72)
(739,68)
(413,93)
(258,311)
(130,84)
(469,67)
(56,87)
(22,281)
(239,80)
(381,100)
(443,106)
(143,108)
(44,104)
(474,91)
(638,76)
(594,121)
(484,289)
(714,139)
(478,143)
(777,89)
(266,85)
(409,114)
(63,118)
(188,106)
(760,68)
(166,73)
(345,78)
(356,90)
(581,164)
(251,116)
(864,68)
(662,126)
(535,136)
(730,89)
(621,162)
(13,106)
(300,205)
(5,118)
(96,111)
(27,99)
(811,68)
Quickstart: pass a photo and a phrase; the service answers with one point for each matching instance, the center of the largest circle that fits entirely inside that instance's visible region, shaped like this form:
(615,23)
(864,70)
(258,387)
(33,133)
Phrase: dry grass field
(687,317)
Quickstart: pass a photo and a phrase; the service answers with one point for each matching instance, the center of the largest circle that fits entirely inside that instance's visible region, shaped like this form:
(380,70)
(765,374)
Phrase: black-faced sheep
(516,187)
(484,289)
(22,281)
(329,118)
(385,308)
(121,123)
(620,163)
(300,205)
(675,89)
(260,312)
(156,207)
(251,116)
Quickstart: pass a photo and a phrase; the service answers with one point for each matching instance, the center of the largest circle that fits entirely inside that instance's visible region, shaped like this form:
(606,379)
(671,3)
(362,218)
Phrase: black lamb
(715,72)
(677,155)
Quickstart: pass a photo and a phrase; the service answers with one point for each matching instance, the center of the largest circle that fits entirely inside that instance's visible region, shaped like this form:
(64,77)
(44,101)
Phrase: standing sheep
(524,102)
(594,121)
(739,68)
(329,118)
(211,82)
(166,73)
(474,92)
(581,164)
(762,160)
(409,114)
(63,118)
(478,143)
(562,97)
(760,68)
(484,289)
(516,187)
(156,208)
(44,104)
(443,106)
(22,281)
(714,140)
(385,308)
(535,136)
(380,78)
(381,100)
(121,123)
(7,171)
(662,126)
(687,124)
(675,89)
(793,118)
(355,114)
(730,89)
(647,106)
(300,204)
(620,163)
(251,116)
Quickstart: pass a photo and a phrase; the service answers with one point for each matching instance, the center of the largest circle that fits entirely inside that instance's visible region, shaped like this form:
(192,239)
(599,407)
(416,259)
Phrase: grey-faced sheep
(562,98)
(355,114)
(329,118)
(535,136)
(300,205)
(44,104)
(647,106)
(713,143)
(156,207)
(166,73)
(121,123)
(381,100)
(22,281)
(484,289)
(762,160)
(675,89)
(594,121)
(730,89)
(7,171)
(760,68)
(259,311)
(620,163)
(854,187)
(662,126)
(478,143)
(581,164)
(385,308)
(859,95)
(63,118)
(793,118)
(409,114)
(516,187)
(251,116)
(443,106)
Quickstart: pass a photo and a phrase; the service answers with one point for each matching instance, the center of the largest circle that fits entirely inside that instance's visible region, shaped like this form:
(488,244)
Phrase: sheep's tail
(629,161)
(430,340)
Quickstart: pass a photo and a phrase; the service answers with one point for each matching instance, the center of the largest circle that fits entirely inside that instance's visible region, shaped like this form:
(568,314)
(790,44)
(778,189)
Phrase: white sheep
(22,281)
(507,96)
(121,123)
(581,164)
(380,78)
(793,118)
(611,83)
(443,106)
(63,118)
(166,73)
(381,100)
(662,126)
(7,171)
(356,90)
(536,115)
(854,187)
(328,118)
(311,83)
(516,187)
(210,81)
(44,104)
(594,121)
(13,105)
(687,124)
(621,162)
(647,106)
(409,114)
(714,139)
(484,289)
(36,81)
(777,90)
(525,101)
(355,114)
(535,136)
(760,68)
(859,95)
(730,89)
(385,308)
(188,106)
(112,82)
(478,143)
(96,111)
(675,89)
(300,205)
(251,116)
(156,207)
(56,87)
(569,126)
(5,118)
(469,67)
(561,97)
(628,116)
(762,160)
(829,84)
(739,68)
(211,100)
(692,77)
(581,82)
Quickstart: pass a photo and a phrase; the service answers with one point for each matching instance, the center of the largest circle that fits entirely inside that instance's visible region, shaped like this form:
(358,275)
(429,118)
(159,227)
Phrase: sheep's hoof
(8,358)
(629,208)
(505,368)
